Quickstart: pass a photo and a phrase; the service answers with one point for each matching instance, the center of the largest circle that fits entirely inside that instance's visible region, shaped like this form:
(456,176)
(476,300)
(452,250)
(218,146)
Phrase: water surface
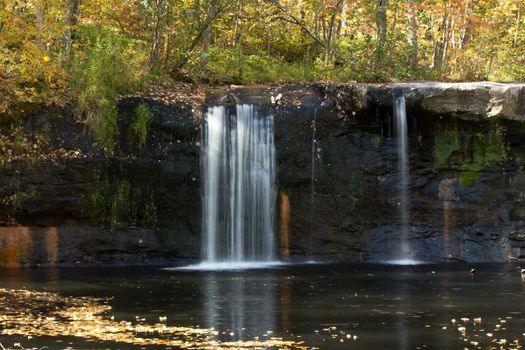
(324,306)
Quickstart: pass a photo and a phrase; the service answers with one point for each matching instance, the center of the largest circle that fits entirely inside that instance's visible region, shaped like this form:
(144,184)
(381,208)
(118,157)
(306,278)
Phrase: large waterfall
(239,184)
(401,136)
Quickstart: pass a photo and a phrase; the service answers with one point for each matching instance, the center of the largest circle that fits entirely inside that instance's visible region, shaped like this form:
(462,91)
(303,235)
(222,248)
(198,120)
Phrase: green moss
(150,212)
(473,152)
(355,188)
(376,139)
(445,144)
(118,202)
(467,178)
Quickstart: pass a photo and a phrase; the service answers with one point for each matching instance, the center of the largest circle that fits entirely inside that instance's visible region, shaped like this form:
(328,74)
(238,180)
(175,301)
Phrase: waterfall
(314,141)
(239,184)
(401,136)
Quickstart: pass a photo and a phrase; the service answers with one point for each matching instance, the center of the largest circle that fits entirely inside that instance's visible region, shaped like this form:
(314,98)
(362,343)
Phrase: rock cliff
(337,179)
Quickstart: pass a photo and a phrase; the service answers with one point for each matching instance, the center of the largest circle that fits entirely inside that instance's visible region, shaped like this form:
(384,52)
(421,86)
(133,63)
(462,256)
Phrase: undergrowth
(108,66)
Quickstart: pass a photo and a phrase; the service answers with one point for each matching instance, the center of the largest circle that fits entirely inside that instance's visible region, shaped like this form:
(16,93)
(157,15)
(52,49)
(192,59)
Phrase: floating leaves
(34,314)
(337,334)
(480,334)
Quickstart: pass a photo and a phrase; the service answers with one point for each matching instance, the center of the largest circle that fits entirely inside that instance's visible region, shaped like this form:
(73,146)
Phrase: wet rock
(517,213)
(339,178)
(448,190)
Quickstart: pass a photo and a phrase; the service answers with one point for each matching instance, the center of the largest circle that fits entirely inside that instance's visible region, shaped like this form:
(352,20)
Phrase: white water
(238,168)
(243,265)
(401,136)
(403,262)
(231,266)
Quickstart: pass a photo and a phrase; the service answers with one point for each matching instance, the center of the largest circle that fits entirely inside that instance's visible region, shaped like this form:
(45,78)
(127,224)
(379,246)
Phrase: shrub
(140,125)
(106,67)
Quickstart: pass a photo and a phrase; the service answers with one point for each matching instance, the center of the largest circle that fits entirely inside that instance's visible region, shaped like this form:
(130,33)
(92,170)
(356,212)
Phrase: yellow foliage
(300,40)
(29,74)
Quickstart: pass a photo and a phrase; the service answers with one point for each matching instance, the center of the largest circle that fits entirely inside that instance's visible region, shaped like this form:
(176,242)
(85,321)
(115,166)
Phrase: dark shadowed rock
(338,181)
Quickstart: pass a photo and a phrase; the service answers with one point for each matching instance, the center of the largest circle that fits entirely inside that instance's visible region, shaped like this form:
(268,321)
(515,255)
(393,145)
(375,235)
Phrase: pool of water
(323,306)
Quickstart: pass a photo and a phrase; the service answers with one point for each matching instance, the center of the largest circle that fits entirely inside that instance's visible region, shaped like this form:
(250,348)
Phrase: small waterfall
(312,183)
(314,145)
(239,184)
(401,136)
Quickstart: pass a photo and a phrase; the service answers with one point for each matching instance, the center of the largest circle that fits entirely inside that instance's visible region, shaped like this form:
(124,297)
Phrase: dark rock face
(337,182)
(141,205)
(465,195)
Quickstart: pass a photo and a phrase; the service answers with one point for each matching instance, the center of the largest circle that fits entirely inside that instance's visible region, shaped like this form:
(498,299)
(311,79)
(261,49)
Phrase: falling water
(314,141)
(312,184)
(238,164)
(401,136)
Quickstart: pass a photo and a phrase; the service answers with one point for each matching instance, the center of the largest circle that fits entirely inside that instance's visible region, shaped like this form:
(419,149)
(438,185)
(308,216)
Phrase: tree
(412,34)
(211,6)
(381,24)
(73,12)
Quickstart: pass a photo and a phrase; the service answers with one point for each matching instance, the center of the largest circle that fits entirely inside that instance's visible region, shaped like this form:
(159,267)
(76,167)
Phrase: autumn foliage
(88,52)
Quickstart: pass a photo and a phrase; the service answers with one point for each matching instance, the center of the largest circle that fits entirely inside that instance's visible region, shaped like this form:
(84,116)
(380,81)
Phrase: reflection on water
(284,220)
(402,306)
(323,306)
(240,308)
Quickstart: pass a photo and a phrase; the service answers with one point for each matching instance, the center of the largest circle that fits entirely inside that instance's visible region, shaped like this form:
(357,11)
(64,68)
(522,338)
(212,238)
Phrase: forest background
(86,53)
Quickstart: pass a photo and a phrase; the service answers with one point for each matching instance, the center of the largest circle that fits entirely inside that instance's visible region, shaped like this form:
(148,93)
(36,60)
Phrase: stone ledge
(468,100)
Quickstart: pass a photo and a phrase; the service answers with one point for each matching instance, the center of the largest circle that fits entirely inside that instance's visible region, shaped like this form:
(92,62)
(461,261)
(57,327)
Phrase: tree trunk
(330,34)
(468,24)
(381,23)
(344,19)
(446,40)
(518,21)
(437,56)
(169,35)
(40,13)
(158,31)
(239,38)
(183,59)
(412,35)
(206,36)
(71,21)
